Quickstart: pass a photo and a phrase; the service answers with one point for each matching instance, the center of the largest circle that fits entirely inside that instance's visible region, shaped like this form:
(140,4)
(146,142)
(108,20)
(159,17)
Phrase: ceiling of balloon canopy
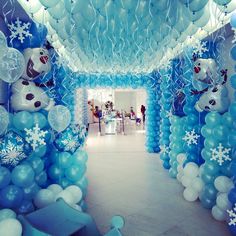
(126,36)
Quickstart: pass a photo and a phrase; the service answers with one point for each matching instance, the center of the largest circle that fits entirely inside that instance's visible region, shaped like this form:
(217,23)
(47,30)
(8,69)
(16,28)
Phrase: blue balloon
(22,120)
(11,196)
(37,164)
(25,207)
(40,119)
(233,52)
(41,179)
(5,177)
(31,191)
(23,175)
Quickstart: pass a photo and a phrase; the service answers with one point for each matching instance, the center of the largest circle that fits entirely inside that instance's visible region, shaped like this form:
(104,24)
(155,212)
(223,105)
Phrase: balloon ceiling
(125,36)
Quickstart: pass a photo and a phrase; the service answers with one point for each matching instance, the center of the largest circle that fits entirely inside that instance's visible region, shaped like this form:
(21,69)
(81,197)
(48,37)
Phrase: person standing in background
(143,110)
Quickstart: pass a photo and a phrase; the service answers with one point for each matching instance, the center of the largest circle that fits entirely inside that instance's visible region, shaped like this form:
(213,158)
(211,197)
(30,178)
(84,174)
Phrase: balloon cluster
(165,102)
(217,140)
(191,181)
(9,225)
(176,143)
(72,195)
(67,169)
(99,35)
(223,184)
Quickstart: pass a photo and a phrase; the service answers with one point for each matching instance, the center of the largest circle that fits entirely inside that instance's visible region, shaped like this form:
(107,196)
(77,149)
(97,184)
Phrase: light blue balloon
(59,118)
(4,119)
(233,52)
(233,20)
(22,120)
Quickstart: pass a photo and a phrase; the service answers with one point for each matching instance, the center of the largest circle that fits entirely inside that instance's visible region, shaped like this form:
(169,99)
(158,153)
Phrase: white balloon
(190,194)
(12,65)
(179,177)
(77,207)
(191,169)
(76,192)
(186,181)
(55,188)
(59,118)
(67,196)
(223,184)
(218,214)
(181,158)
(223,202)
(43,198)
(197,184)
(10,227)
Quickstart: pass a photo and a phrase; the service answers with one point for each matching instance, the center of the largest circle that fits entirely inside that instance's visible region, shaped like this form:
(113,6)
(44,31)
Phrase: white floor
(125,180)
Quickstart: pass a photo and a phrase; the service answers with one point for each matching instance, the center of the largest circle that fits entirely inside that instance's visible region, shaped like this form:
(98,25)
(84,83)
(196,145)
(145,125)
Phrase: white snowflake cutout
(169,114)
(220,154)
(19,30)
(191,137)
(199,47)
(164,149)
(232,215)
(35,136)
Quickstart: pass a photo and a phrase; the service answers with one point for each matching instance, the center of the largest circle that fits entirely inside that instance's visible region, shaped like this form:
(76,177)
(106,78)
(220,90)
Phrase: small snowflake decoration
(19,30)
(232,215)
(199,48)
(191,137)
(164,149)
(70,143)
(169,114)
(12,149)
(220,154)
(35,136)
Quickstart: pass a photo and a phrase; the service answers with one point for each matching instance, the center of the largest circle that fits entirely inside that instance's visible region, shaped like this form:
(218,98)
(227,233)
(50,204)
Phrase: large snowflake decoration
(35,136)
(199,48)
(68,140)
(220,154)
(19,30)
(232,215)
(12,149)
(191,137)
(164,149)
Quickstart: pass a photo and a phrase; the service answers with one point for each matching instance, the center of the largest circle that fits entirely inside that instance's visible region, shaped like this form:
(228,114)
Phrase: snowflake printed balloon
(12,149)
(69,140)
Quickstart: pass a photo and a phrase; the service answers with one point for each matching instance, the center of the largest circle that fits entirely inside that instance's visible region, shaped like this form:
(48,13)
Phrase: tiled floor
(125,180)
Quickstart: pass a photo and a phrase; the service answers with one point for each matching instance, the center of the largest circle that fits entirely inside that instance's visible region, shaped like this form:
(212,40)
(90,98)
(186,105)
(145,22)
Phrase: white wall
(125,99)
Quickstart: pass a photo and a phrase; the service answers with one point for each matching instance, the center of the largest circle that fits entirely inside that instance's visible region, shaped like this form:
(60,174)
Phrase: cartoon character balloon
(28,97)
(37,61)
(204,73)
(215,99)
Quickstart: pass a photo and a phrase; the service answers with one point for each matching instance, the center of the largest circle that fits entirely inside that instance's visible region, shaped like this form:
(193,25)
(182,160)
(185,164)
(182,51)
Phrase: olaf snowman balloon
(204,73)
(26,95)
(37,62)
(215,99)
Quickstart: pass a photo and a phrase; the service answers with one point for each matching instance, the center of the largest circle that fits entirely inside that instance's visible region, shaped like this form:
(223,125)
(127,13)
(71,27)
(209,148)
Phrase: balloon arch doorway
(151,83)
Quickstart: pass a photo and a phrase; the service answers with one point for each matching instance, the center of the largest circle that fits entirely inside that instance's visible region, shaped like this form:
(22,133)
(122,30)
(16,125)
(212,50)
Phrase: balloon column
(40,146)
